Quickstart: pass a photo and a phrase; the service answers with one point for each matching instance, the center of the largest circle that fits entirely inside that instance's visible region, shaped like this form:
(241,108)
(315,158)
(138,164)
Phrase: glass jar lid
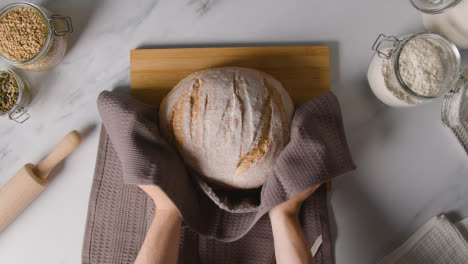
(451,62)
(434,6)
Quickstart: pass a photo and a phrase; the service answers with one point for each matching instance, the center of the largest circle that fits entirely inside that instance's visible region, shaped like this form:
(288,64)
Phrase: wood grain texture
(303,70)
(18,193)
(68,144)
(23,188)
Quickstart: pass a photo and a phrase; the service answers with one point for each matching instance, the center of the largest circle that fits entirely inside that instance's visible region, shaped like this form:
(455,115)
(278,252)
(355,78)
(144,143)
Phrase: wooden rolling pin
(31,180)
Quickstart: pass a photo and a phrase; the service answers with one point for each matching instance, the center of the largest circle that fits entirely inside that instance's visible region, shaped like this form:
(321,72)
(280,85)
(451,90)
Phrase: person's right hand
(289,240)
(161,243)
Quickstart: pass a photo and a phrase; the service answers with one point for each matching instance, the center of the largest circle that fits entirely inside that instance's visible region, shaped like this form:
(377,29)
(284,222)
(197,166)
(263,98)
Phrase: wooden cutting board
(303,70)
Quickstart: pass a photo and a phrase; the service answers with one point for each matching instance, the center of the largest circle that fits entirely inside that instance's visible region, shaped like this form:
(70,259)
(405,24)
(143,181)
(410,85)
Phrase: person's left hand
(161,201)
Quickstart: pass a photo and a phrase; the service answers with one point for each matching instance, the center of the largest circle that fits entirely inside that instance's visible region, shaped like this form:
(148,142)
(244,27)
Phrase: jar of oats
(31,37)
(14,96)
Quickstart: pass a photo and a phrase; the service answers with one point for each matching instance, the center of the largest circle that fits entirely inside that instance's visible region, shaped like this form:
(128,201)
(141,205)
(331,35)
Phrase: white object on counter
(451,23)
(437,241)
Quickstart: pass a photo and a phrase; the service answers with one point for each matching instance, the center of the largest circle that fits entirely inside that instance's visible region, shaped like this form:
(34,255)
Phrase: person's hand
(161,201)
(161,244)
(292,206)
(289,240)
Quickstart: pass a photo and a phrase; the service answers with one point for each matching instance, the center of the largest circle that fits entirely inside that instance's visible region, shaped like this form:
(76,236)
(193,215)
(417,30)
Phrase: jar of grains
(446,17)
(415,69)
(31,37)
(14,96)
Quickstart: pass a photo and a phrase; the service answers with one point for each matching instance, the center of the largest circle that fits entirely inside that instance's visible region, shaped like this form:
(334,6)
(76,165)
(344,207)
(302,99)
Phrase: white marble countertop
(410,168)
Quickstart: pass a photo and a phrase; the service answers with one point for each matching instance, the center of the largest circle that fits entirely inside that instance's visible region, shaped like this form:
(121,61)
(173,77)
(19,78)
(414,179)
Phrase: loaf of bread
(228,124)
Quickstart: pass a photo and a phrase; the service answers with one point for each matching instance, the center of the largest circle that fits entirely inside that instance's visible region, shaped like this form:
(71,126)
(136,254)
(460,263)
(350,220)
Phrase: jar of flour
(415,69)
(446,17)
(411,70)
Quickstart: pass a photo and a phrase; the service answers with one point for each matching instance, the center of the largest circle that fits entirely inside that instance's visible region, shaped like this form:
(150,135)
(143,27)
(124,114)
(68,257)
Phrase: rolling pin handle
(69,143)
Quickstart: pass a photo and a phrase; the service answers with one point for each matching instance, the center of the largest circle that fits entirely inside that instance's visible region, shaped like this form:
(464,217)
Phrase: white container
(446,17)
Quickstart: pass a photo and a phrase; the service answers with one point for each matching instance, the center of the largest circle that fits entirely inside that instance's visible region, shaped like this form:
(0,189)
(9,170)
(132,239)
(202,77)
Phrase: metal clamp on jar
(49,40)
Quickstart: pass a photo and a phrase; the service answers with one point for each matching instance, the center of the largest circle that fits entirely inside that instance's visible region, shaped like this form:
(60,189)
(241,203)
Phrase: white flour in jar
(421,68)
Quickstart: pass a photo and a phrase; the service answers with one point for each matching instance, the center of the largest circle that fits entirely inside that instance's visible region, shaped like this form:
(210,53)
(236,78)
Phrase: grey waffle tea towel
(131,152)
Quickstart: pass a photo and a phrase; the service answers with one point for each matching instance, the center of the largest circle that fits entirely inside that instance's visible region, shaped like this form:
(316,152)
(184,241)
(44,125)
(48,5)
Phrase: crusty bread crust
(228,124)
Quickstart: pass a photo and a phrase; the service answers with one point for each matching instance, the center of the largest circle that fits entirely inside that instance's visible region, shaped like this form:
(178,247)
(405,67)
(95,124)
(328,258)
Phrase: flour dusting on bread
(228,124)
